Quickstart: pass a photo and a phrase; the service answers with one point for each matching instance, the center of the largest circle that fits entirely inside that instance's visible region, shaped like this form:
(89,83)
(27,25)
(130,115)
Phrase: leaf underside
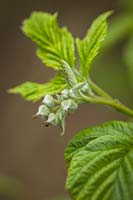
(100,163)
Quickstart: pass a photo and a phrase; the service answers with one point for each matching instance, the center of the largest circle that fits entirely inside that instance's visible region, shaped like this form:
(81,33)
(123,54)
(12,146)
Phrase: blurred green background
(32,165)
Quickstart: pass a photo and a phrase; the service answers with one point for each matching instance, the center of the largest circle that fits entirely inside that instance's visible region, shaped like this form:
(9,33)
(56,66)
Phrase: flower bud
(43,111)
(58,97)
(78,86)
(85,88)
(48,100)
(73,94)
(64,94)
(69,105)
(53,119)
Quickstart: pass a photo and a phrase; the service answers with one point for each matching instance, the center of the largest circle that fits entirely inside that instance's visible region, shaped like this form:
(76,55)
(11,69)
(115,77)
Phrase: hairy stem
(115,104)
(105,99)
(98,90)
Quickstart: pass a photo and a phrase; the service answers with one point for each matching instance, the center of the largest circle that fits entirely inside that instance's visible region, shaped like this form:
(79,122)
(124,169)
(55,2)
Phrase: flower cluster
(54,109)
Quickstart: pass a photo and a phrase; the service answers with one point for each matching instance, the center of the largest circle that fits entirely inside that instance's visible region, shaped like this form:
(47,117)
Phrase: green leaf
(31,91)
(53,43)
(89,46)
(100,163)
(128,58)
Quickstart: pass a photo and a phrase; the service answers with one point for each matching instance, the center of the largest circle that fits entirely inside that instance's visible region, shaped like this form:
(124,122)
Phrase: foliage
(53,43)
(56,45)
(33,91)
(100,162)
(99,159)
(89,46)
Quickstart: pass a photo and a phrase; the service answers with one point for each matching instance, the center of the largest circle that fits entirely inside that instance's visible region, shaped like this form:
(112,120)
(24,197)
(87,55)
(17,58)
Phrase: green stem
(106,99)
(113,103)
(98,90)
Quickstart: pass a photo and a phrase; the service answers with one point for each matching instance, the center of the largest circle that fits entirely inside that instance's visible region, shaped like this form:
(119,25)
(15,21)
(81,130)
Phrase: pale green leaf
(68,74)
(89,46)
(53,43)
(31,91)
(100,163)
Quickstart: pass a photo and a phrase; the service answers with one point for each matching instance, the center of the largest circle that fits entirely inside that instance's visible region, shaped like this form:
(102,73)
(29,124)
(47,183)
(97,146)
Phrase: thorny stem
(106,99)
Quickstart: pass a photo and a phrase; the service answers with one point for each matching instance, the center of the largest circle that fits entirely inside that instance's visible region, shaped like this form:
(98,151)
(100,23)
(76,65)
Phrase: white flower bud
(73,94)
(48,100)
(78,86)
(64,94)
(69,105)
(53,119)
(43,111)
(58,97)
(85,88)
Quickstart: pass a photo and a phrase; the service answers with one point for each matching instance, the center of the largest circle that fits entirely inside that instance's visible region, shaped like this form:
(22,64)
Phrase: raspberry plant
(99,159)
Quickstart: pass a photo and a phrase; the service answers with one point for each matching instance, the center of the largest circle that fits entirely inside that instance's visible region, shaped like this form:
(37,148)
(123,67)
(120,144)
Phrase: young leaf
(31,91)
(68,74)
(100,163)
(53,43)
(89,46)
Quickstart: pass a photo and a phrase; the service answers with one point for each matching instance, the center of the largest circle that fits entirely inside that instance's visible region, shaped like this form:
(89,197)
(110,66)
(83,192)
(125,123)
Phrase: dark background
(31,155)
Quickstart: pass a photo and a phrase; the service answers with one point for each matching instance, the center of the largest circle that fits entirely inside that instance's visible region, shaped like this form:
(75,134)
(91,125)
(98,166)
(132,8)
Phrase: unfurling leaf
(53,43)
(68,74)
(89,46)
(34,92)
(100,163)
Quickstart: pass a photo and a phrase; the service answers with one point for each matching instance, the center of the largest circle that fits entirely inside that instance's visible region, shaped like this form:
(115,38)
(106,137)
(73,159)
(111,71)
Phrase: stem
(106,99)
(98,90)
(115,104)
